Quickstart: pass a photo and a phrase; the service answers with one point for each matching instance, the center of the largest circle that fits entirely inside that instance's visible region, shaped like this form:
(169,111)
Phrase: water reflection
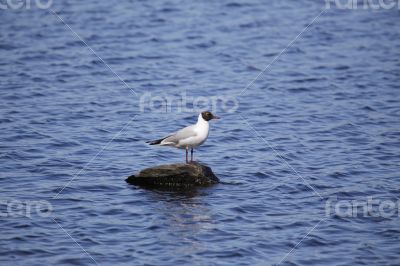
(184,215)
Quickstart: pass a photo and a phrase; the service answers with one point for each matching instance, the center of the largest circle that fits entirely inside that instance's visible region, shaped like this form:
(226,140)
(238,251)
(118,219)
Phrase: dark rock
(175,176)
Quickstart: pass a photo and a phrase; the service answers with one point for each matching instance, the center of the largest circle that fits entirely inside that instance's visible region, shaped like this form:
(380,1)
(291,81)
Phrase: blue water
(322,121)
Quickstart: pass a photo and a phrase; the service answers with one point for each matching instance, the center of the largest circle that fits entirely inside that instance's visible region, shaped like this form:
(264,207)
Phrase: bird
(189,137)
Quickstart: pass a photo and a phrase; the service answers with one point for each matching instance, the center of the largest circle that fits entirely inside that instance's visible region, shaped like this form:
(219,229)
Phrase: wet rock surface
(174,176)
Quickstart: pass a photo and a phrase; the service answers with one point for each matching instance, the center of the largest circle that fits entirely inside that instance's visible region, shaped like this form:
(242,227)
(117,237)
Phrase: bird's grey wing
(184,133)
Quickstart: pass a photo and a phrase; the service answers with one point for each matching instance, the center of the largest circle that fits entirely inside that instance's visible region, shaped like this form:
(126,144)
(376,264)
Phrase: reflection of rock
(174,176)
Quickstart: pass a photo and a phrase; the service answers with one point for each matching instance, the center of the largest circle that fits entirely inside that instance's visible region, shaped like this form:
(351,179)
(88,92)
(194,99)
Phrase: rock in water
(174,176)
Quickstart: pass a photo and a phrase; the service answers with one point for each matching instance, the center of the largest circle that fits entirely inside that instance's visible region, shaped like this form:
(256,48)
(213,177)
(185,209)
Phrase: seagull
(189,137)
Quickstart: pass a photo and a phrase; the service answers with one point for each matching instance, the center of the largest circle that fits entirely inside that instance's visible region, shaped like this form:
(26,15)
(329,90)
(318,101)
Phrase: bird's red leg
(187,154)
(191,155)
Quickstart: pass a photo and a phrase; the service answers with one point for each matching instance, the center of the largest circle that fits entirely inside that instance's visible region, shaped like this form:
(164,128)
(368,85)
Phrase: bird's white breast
(201,129)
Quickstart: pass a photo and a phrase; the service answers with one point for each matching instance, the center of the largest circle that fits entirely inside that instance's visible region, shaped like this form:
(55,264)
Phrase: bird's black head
(208,116)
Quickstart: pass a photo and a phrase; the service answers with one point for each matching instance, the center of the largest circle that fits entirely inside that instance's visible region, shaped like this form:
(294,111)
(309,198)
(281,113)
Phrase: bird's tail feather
(155,142)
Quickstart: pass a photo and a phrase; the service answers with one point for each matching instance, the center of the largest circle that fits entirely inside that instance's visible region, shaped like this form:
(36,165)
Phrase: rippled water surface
(322,121)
